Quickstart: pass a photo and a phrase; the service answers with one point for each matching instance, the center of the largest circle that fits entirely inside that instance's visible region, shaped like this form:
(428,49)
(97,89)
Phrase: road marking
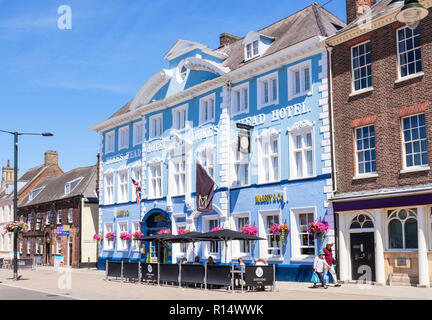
(43,291)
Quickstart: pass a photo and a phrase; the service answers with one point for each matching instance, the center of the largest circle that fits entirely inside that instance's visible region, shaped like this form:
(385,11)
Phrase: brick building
(25,183)
(382,144)
(62,215)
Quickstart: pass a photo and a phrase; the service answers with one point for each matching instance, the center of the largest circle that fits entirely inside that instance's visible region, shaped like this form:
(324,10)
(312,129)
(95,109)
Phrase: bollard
(158,273)
(121,272)
(179,276)
(106,269)
(274,277)
(232,278)
(88,263)
(205,277)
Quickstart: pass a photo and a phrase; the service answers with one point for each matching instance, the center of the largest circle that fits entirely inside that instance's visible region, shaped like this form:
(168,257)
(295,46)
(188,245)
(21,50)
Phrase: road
(49,283)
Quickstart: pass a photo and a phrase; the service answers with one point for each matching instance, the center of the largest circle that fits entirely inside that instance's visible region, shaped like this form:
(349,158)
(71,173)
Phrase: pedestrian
(197,260)
(331,262)
(184,261)
(240,266)
(318,267)
(210,260)
(260,262)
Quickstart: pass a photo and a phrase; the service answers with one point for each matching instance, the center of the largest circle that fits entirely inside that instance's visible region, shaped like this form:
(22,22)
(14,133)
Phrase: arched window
(402,228)
(361,221)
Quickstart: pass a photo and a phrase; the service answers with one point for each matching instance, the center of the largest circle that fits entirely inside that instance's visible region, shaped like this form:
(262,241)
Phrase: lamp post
(16,134)
(411,13)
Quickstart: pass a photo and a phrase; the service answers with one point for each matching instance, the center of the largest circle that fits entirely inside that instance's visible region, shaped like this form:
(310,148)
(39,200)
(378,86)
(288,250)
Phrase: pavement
(89,284)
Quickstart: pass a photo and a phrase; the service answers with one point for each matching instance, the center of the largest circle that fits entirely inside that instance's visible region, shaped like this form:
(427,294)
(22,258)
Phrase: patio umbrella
(188,237)
(226,235)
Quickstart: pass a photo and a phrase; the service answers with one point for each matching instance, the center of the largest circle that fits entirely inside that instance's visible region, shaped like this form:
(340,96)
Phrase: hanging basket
(16,225)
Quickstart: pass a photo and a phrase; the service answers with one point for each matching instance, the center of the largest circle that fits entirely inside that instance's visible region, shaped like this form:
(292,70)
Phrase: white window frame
(122,245)
(414,167)
(68,189)
(262,230)
(32,195)
(110,144)
(20,247)
(244,102)
(109,188)
(59,217)
(291,80)
(359,67)
(203,157)
(152,194)
(206,228)
(398,57)
(175,124)
(236,244)
(136,173)
(123,131)
(260,90)
(296,246)
(58,245)
(293,150)
(152,120)
(357,172)
(204,106)
(108,245)
(180,173)
(136,226)
(122,198)
(240,160)
(387,233)
(138,133)
(252,51)
(262,157)
(28,246)
(70,215)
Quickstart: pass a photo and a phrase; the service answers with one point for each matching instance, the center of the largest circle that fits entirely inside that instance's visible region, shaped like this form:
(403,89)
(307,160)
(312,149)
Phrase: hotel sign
(126,156)
(122,213)
(268,198)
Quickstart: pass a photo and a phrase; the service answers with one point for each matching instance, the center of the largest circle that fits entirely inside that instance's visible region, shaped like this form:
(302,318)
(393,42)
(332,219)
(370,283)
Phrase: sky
(65,80)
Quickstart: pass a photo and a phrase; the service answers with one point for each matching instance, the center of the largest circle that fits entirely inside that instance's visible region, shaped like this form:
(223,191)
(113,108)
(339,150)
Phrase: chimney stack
(7,175)
(226,38)
(355,8)
(51,158)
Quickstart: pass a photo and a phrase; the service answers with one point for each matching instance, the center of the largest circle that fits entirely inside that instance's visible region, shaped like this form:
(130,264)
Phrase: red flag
(204,189)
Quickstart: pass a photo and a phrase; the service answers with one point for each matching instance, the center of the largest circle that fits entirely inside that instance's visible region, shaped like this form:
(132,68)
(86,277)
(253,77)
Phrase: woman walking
(318,267)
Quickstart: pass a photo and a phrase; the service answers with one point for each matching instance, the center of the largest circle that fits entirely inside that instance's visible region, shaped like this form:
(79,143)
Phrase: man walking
(331,262)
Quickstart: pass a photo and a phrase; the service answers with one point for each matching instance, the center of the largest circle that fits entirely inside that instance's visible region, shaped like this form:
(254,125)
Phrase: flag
(137,190)
(204,189)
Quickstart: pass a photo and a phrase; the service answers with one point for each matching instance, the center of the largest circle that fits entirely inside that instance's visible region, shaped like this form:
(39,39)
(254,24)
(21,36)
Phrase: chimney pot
(355,8)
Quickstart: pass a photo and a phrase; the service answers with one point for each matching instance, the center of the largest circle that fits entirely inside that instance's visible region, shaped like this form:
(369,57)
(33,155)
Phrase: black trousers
(321,277)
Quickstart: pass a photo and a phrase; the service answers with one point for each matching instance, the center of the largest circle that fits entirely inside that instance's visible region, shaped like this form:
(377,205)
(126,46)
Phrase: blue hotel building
(274,79)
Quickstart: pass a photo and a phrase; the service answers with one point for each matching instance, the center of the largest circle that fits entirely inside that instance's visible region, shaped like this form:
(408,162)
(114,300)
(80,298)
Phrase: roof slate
(313,21)
(54,188)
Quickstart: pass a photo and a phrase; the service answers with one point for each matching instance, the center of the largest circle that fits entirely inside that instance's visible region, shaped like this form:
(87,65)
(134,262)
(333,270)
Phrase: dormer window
(71,185)
(33,194)
(252,49)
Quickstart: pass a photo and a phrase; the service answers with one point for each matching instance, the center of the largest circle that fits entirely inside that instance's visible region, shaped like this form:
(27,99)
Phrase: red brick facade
(46,234)
(384,106)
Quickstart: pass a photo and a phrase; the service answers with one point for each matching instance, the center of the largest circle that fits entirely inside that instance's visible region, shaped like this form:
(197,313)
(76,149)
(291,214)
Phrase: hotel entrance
(155,221)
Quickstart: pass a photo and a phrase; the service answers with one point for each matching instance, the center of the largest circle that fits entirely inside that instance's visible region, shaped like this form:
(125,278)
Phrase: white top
(319,264)
(260,263)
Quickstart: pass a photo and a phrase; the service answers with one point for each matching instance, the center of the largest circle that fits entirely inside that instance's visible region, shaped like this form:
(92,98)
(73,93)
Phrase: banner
(204,190)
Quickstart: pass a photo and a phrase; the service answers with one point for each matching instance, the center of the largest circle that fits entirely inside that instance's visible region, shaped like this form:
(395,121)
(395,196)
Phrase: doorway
(363,256)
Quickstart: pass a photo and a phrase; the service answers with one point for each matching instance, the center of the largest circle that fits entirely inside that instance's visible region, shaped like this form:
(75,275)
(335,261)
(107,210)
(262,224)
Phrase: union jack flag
(137,190)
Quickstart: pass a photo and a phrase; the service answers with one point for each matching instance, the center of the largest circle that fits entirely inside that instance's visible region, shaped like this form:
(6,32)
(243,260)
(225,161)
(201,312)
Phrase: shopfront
(385,244)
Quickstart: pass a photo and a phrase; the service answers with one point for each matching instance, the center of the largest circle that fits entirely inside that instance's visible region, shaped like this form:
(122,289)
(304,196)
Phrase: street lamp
(16,134)
(411,13)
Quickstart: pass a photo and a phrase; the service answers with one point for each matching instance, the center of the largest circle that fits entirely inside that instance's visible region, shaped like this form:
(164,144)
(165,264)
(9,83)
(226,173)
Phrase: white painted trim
(294,234)
(234,91)
(151,118)
(136,141)
(291,80)
(268,77)
(206,98)
(112,134)
(121,131)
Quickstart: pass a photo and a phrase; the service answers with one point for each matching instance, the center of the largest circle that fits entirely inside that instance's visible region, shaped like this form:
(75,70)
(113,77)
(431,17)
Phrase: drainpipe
(333,153)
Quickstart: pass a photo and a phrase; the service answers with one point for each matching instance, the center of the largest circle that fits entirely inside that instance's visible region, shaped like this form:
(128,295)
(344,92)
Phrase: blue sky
(64,81)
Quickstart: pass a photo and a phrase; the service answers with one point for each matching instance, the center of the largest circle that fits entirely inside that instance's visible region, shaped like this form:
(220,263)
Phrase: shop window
(402,229)
(361,221)
(122,227)
(273,241)
(214,245)
(108,245)
(245,246)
